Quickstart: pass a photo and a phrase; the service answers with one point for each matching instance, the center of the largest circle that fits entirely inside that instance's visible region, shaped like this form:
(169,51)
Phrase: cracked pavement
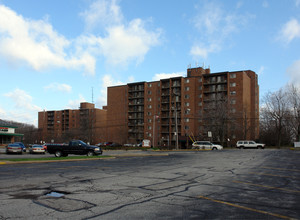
(228,184)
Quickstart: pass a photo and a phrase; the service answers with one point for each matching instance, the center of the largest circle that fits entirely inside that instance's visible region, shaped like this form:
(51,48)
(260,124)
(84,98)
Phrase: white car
(249,144)
(206,145)
(38,149)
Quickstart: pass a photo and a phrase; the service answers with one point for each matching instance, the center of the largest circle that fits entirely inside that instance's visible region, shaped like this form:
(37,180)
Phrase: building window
(232,84)
(149,92)
(149,120)
(149,106)
(187,96)
(232,110)
(200,87)
(232,92)
(187,120)
(233,75)
(200,96)
(200,104)
(232,101)
(149,99)
(149,127)
(187,88)
(200,80)
(149,113)
(149,85)
(187,80)
(187,104)
(186,127)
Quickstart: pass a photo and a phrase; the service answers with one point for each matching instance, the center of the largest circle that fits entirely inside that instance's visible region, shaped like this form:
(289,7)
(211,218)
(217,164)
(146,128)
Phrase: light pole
(153,137)
(176,123)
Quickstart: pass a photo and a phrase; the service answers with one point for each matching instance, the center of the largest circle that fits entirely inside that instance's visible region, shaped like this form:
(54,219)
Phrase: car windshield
(13,145)
(36,146)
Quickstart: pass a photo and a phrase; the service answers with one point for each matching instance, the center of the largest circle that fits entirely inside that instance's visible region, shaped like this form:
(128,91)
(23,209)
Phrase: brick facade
(87,123)
(225,103)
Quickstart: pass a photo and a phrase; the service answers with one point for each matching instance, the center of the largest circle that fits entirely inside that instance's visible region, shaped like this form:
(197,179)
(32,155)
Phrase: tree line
(280,116)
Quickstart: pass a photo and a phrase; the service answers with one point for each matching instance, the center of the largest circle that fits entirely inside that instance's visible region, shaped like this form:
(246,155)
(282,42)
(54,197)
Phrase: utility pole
(153,139)
(176,123)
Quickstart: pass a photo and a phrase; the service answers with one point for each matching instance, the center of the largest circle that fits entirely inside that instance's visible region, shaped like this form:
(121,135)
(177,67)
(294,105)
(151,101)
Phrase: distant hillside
(16,124)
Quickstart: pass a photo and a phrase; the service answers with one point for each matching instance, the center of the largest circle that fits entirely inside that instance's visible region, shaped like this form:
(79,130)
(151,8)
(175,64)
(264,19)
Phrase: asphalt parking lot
(228,184)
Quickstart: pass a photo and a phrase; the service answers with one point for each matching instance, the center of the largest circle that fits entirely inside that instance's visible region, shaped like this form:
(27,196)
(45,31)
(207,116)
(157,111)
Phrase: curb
(6,162)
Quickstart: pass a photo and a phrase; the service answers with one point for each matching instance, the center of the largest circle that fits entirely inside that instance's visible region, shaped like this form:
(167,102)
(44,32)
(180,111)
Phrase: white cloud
(22,100)
(297,3)
(213,19)
(160,76)
(61,87)
(24,110)
(102,13)
(294,72)
(290,31)
(125,43)
(265,4)
(122,42)
(75,104)
(20,36)
(197,51)
(261,70)
(2,113)
(215,26)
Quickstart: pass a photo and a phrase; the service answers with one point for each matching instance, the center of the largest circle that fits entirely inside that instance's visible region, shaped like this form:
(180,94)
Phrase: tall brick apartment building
(222,107)
(87,123)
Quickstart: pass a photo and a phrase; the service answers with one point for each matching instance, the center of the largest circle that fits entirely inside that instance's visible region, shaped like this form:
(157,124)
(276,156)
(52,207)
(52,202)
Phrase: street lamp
(176,123)
(153,137)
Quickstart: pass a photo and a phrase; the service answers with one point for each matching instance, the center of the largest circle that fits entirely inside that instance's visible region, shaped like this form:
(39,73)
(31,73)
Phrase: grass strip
(53,158)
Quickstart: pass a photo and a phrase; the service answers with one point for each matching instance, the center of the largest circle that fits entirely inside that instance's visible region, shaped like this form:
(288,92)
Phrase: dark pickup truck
(74,147)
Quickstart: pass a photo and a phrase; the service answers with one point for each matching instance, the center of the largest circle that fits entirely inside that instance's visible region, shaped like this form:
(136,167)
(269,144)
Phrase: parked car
(45,147)
(249,144)
(206,145)
(115,145)
(14,148)
(74,147)
(22,146)
(107,144)
(36,148)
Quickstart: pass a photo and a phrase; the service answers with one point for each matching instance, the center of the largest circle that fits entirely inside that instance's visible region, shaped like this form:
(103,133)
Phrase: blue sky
(54,53)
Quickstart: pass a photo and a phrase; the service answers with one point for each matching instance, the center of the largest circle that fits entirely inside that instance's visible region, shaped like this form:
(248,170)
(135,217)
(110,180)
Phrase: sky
(55,54)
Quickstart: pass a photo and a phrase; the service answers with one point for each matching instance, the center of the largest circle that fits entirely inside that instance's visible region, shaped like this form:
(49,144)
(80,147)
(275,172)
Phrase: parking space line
(275,168)
(264,186)
(64,168)
(244,207)
(268,174)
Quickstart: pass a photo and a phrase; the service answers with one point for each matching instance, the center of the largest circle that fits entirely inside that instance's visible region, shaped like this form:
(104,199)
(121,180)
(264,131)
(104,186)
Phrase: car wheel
(58,153)
(214,148)
(90,153)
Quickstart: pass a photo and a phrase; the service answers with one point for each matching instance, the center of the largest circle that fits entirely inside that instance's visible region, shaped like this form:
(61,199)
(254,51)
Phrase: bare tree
(216,118)
(276,111)
(294,105)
